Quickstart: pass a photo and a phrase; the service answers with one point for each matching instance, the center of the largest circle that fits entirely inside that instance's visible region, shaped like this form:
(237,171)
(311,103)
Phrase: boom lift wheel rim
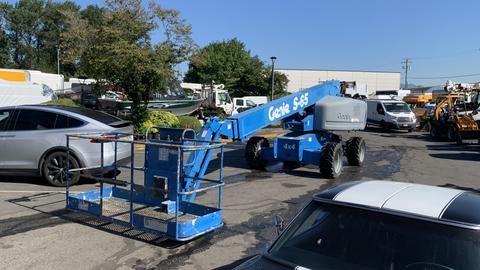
(338,164)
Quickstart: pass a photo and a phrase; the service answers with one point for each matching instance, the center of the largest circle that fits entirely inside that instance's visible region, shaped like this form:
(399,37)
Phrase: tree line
(113,44)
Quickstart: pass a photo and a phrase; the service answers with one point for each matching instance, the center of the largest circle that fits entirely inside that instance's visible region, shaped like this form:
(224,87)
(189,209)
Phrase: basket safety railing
(125,138)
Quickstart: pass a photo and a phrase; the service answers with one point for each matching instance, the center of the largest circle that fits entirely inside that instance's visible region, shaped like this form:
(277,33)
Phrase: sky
(441,37)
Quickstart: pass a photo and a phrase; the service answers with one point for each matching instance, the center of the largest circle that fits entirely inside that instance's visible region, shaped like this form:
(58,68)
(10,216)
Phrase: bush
(189,122)
(159,118)
(62,101)
(214,111)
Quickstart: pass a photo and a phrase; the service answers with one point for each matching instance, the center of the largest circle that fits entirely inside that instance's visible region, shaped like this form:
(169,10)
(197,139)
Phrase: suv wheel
(54,169)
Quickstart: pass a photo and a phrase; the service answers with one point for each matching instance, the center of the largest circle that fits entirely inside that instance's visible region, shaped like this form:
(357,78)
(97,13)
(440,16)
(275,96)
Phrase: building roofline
(337,70)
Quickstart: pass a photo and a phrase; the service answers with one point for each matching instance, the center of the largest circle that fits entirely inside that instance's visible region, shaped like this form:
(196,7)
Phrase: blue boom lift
(176,160)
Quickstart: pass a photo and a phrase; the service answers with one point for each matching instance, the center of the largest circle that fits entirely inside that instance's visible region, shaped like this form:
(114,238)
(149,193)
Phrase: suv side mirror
(279,224)
(380,111)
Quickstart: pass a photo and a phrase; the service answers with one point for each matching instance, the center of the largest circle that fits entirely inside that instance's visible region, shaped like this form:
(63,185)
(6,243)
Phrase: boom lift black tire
(331,160)
(253,152)
(356,150)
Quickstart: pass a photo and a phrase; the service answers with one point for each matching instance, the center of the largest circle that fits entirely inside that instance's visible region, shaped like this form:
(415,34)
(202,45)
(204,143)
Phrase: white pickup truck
(248,102)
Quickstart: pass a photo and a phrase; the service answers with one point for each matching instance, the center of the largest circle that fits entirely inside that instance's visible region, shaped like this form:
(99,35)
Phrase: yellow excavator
(418,104)
(451,118)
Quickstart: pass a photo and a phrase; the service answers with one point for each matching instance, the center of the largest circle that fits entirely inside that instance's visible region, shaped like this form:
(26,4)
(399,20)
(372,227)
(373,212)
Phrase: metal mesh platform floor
(120,209)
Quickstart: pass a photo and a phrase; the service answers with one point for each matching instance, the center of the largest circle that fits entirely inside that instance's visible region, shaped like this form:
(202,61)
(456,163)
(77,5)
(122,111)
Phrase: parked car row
(33,140)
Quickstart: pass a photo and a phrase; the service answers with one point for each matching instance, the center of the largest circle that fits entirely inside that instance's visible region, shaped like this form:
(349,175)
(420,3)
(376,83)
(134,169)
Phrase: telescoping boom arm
(243,125)
(247,123)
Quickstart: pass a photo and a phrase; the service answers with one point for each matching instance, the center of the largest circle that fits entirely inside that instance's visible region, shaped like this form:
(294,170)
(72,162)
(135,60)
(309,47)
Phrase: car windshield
(326,236)
(223,97)
(396,107)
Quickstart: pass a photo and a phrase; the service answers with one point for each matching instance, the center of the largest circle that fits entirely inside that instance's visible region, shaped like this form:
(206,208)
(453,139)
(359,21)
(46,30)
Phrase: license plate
(404,125)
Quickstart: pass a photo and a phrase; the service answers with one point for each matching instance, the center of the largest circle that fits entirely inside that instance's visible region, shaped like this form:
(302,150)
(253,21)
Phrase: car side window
(5,116)
(28,119)
(380,109)
(239,102)
(64,121)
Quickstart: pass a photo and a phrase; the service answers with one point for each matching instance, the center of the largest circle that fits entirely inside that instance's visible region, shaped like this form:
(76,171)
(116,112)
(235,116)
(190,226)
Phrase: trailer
(176,161)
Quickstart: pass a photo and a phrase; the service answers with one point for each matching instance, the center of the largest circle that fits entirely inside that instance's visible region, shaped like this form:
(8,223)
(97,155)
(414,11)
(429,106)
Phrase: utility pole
(58,60)
(406,65)
(273,58)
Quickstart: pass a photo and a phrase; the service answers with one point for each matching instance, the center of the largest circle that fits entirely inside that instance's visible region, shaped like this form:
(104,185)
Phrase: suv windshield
(396,107)
(337,237)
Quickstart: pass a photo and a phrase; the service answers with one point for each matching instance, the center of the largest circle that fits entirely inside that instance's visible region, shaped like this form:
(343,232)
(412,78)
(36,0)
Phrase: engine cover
(340,113)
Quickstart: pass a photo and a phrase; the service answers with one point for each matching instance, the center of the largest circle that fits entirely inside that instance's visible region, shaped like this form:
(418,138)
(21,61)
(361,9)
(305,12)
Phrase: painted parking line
(37,191)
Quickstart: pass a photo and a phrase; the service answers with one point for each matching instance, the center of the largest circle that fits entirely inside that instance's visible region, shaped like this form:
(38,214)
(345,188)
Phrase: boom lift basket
(162,204)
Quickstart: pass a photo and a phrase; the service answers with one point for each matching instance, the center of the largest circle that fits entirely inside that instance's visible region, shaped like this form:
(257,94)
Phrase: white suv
(33,140)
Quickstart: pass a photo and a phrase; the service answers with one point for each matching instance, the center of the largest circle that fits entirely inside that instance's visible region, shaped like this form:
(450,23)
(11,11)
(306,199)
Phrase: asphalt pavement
(36,232)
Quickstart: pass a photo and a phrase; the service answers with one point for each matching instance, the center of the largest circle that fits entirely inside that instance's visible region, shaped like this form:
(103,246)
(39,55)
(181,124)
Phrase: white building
(375,80)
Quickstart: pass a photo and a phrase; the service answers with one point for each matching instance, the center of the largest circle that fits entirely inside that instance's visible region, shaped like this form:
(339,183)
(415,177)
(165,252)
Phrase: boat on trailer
(113,103)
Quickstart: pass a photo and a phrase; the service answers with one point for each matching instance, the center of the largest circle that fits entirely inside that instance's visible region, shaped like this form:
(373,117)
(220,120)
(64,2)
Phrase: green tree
(121,55)
(23,25)
(81,29)
(230,63)
(4,40)
(33,28)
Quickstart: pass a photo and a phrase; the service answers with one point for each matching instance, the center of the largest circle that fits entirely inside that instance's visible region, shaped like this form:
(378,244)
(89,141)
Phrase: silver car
(33,140)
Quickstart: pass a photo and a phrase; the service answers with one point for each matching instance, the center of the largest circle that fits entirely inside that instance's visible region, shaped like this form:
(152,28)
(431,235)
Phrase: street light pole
(273,58)
(58,60)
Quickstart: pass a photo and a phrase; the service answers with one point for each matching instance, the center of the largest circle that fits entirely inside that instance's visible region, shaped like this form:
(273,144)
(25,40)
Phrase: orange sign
(13,76)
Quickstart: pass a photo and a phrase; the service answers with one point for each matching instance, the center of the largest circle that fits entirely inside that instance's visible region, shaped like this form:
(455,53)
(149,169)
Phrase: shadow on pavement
(458,156)
(234,264)
(60,215)
(454,147)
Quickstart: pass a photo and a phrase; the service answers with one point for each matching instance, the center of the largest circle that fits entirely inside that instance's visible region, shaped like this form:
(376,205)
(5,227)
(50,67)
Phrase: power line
(446,77)
(454,54)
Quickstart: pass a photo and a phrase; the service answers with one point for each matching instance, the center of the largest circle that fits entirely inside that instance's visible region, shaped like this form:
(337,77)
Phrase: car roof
(77,112)
(448,205)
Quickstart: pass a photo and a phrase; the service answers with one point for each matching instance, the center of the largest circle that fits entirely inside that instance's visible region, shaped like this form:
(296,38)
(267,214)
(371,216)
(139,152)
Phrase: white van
(390,114)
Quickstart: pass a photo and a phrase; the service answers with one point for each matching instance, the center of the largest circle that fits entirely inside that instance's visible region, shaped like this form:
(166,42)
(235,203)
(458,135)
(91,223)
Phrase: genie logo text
(276,112)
